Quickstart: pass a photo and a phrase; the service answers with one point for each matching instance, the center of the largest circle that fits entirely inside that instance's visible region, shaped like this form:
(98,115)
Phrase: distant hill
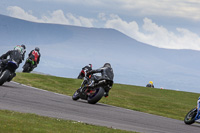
(66,49)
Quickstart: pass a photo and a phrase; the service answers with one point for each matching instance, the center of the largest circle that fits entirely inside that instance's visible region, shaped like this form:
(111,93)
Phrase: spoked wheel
(96,95)
(75,96)
(190,117)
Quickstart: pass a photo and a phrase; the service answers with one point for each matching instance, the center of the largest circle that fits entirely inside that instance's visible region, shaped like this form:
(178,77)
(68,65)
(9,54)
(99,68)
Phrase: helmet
(18,48)
(107,65)
(23,49)
(37,49)
(23,46)
(150,82)
(90,65)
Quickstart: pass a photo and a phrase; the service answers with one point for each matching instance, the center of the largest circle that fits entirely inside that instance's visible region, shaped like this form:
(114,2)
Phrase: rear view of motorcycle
(89,92)
(28,66)
(8,72)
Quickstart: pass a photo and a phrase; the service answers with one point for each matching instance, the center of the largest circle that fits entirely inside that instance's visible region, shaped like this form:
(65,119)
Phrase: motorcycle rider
(37,55)
(17,55)
(87,69)
(106,77)
(198,104)
(23,50)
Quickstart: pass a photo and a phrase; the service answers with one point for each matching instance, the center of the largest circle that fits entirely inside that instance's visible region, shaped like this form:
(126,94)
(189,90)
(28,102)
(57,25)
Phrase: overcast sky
(161,23)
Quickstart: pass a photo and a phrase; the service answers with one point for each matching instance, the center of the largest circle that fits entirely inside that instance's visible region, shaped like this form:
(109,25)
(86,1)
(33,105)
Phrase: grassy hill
(167,103)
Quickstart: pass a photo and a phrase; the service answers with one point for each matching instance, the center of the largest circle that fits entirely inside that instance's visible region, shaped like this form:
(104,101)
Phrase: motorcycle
(81,75)
(192,116)
(28,66)
(8,71)
(91,94)
(83,72)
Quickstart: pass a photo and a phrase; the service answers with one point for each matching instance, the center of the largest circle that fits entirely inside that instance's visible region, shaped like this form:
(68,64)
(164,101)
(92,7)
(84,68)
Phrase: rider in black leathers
(106,77)
(17,55)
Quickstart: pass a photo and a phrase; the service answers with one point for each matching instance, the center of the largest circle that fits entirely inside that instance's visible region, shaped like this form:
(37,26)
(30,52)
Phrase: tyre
(190,117)
(12,75)
(26,67)
(80,76)
(75,96)
(4,76)
(98,94)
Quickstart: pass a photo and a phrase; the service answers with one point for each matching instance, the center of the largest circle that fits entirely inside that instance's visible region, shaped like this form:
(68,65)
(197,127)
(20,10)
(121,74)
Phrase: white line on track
(39,89)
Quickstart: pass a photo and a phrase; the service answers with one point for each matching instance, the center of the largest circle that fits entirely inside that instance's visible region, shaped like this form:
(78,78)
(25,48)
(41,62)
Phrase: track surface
(21,98)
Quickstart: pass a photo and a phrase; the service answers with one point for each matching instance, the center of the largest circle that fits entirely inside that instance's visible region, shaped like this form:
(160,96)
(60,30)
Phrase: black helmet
(37,49)
(107,65)
(23,46)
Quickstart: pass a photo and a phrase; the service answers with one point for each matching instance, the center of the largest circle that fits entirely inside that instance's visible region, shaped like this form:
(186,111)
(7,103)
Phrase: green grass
(14,122)
(167,103)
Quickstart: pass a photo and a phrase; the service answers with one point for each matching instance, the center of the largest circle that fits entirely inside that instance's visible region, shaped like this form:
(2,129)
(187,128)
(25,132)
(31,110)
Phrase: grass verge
(167,103)
(14,122)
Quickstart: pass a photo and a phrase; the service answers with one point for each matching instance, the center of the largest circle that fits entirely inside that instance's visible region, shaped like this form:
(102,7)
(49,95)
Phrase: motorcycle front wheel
(190,117)
(96,96)
(75,96)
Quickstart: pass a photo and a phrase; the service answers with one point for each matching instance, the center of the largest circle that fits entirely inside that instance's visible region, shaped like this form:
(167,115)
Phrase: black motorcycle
(89,93)
(8,71)
(81,75)
(28,66)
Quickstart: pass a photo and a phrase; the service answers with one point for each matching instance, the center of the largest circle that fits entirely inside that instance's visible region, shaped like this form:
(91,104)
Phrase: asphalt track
(21,98)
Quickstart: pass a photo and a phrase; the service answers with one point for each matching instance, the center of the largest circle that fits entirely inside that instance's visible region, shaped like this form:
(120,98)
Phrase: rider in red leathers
(37,55)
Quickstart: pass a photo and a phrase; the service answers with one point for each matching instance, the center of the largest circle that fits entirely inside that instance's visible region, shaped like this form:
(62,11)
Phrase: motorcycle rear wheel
(190,117)
(94,98)
(26,68)
(4,76)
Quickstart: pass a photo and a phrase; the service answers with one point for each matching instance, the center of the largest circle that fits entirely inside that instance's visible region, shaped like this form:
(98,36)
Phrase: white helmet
(19,48)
